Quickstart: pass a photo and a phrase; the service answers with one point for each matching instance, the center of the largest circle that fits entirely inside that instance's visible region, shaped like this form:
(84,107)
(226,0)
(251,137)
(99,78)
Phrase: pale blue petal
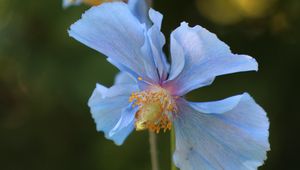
(126,121)
(234,138)
(113,30)
(124,78)
(140,9)
(121,135)
(123,68)
(205,58)
(177,60)
(157,41)
(217,107)
(156,18)
(121,90)
(106,106)
(143,84)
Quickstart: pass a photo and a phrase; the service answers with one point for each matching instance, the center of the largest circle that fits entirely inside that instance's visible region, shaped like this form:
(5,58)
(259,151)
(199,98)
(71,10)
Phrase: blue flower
(148,92)
(67,3)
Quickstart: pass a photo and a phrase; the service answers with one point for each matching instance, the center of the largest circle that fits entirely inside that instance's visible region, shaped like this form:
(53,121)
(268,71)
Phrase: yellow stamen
(140,78)
(156,107)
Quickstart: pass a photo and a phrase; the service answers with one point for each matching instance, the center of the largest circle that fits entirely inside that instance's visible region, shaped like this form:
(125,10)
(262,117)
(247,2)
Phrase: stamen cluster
(156,107)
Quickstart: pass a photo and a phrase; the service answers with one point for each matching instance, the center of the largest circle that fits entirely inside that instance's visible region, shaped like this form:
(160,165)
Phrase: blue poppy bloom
(148,92)
(67,3)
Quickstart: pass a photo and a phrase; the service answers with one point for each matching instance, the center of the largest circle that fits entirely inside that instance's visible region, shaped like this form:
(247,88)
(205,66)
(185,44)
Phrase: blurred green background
(46,79)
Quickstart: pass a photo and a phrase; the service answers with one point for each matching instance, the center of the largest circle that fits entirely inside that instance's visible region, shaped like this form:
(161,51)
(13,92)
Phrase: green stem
(172,149)
(153,151)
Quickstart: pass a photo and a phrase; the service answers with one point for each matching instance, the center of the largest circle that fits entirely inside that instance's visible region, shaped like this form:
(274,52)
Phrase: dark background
(47,77)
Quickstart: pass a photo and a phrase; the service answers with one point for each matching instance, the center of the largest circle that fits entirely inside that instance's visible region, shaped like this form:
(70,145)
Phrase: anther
(156,107)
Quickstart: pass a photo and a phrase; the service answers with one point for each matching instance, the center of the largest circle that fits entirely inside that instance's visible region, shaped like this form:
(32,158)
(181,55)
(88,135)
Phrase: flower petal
(236,137)
(205,58)
(217,107)
(178,60)
(113,30)
(124,78)
(157,41)
(106,106)
(140,9)
(126,120)
(156,18)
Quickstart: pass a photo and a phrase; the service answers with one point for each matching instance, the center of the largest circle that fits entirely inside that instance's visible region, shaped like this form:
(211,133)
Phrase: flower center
(156,106)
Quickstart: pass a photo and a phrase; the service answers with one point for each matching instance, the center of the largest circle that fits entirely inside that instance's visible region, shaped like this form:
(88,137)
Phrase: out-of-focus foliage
(46,79)
(233,11)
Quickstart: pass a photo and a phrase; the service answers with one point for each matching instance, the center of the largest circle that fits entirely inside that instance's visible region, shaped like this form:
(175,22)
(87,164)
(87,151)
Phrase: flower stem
(172,149)
(153,151)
